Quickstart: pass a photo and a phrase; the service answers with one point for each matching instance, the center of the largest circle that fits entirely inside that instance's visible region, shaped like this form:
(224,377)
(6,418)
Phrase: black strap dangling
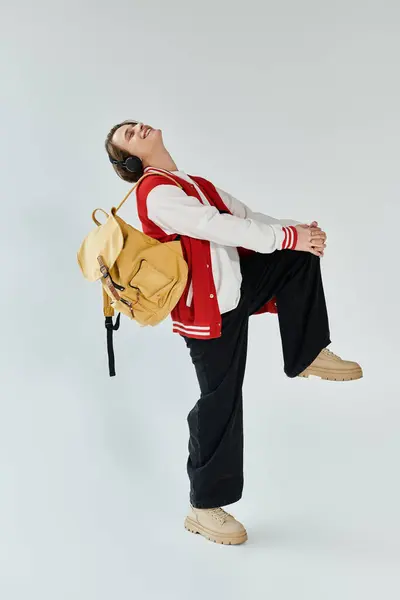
(110,349)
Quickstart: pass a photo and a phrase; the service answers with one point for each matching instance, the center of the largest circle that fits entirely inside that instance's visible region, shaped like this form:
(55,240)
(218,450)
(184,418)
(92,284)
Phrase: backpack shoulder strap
(115,210)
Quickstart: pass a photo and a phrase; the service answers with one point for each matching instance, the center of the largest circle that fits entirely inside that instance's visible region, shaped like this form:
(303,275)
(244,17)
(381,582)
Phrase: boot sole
(213,536)
(332,375)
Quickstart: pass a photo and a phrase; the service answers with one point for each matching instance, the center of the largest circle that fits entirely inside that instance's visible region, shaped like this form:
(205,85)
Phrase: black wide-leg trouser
(215,462)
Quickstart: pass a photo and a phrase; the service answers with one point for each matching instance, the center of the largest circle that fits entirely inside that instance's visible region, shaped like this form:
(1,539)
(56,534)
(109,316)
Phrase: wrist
(290,237)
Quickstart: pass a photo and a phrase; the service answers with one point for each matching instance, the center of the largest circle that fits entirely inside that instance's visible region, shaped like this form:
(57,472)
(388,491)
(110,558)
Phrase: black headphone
(133,164)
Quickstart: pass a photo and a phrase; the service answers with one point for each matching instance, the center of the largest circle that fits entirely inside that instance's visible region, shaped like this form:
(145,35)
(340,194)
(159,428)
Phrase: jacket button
(208,266)
(211,295)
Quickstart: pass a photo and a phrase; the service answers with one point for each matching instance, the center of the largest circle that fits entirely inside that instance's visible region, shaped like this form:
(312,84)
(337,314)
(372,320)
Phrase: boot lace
(329,352)
(219,514)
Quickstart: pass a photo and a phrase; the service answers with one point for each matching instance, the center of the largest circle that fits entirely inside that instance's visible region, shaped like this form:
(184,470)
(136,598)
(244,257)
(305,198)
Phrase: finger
(317,237)
(318,247)
(317,242)
(316,233)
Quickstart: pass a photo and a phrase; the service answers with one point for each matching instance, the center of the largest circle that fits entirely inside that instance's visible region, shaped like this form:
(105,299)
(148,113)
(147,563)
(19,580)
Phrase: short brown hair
(116,153)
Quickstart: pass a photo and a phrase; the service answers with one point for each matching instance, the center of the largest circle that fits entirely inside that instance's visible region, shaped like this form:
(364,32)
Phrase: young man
(241,263)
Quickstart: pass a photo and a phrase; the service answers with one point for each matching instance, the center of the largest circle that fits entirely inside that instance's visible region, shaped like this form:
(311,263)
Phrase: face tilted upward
(138,139)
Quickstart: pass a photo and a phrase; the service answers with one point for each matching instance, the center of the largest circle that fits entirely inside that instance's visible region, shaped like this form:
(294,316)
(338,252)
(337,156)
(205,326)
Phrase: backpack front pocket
(151,283)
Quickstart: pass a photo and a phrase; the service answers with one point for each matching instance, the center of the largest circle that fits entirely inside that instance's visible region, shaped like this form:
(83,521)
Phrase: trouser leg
(294,278)
(215,462)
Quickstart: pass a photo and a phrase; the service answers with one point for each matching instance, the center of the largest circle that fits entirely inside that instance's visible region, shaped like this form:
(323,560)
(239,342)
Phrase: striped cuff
(290,237)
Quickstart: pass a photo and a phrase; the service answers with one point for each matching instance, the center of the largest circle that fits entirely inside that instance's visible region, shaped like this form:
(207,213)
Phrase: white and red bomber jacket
(214,228)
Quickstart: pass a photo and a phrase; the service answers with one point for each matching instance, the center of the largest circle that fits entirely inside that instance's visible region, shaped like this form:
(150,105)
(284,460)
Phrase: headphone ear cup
(134,165)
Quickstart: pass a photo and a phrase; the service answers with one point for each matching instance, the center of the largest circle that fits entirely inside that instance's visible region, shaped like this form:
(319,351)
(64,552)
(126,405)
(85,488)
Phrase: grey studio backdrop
(293,107)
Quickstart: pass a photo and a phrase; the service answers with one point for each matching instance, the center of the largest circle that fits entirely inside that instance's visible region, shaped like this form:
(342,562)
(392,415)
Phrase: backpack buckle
(107,278)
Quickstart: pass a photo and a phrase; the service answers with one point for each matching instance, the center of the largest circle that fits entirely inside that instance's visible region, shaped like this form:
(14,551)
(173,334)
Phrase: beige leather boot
(330,366)
(216,525)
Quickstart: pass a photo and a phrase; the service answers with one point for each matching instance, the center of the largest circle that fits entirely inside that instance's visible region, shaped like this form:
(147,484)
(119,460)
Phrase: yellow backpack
(140,276)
